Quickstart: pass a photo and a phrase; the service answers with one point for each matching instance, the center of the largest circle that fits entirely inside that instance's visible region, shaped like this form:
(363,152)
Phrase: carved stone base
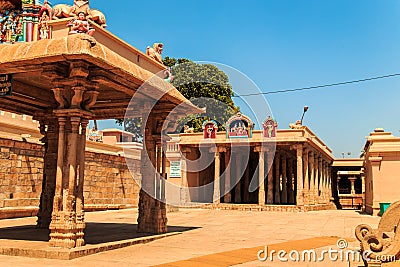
(65,231)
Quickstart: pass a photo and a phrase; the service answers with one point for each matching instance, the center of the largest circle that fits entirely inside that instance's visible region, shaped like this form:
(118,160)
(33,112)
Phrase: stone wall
(108,182)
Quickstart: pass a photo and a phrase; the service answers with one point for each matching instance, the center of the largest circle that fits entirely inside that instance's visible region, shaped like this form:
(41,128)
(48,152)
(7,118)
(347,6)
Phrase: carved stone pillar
(290,181)
(228,195)
(152,212)
(50,141)
(261,175)
(67,225)
(246,192)
(277,185)
(270,187)
(306,171)
(284,199)
(217,174)
(320,180)
(312,178)
(326,183)
(299,179)
(238,187)
(184,183)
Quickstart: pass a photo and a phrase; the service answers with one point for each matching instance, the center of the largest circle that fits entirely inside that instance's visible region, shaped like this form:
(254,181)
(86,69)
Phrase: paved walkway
(213,236)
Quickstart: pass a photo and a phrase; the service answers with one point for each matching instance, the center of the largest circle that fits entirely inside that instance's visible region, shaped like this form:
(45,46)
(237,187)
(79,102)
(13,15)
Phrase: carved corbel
(90,99)
(76,100)
(60,98)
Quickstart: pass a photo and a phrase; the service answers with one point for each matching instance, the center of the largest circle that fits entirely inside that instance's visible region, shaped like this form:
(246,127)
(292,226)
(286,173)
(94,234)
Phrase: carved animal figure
(296,126)
(98,17)
(155,52)
(81,6)
(62,11)
(65,11)
(187,129)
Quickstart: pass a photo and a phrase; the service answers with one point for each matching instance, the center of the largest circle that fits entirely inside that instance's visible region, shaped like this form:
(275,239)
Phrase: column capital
(297,146)
(218,149)
(186,150)
(259,149)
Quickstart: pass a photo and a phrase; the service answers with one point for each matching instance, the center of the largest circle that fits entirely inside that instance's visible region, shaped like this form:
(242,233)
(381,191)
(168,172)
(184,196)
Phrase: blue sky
(283,45)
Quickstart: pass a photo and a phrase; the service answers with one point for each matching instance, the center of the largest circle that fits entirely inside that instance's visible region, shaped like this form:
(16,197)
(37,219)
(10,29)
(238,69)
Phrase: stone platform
(255,207)
(21,237)
(37,249)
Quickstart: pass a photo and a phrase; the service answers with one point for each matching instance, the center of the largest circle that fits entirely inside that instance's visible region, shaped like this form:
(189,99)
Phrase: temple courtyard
(197,237)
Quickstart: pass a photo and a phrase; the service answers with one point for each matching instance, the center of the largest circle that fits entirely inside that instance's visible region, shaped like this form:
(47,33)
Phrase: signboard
(175,169)
(5,85)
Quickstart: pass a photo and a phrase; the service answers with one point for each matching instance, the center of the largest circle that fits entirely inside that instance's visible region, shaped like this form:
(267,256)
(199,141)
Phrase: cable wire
(319,86)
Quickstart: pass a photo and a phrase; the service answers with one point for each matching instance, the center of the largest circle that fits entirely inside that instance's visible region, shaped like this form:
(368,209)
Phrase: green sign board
(5,84)
(175,169)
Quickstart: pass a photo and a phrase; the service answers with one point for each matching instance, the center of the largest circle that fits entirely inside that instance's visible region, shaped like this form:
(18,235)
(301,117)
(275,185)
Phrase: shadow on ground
(95,233)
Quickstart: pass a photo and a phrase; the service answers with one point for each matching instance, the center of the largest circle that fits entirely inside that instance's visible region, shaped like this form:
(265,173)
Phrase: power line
(320,86)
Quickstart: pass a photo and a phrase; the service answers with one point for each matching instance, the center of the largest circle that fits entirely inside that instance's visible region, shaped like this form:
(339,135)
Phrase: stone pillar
(326,183)
(217,174)
(312,178)
(184,182)
(306,171)
(261,175)
(270,187)
(284,199)
(277,187)
(228,195)
(290,181)
(67,225)
(329,182)
(323,182)
(80,201)
(152,212)
(299,180)
(50,141)
(246,192)
(163,169)
(238,187)
(320,180)
(352,181)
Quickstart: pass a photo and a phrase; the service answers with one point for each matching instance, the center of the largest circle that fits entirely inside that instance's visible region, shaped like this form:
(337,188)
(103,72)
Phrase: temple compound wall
(108,184)
(382,168)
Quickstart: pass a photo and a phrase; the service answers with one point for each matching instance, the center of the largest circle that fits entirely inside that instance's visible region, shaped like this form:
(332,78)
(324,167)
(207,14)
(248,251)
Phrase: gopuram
(65,69)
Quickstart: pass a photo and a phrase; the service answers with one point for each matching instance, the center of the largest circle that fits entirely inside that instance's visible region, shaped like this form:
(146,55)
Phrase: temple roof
(118,78)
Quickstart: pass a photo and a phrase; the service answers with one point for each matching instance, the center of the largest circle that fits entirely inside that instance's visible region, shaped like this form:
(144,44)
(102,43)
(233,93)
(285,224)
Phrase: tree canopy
(203,84)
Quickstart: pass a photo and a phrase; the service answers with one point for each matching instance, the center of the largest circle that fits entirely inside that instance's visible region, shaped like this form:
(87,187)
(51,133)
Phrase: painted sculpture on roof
(239,126)
(80,25)
(155,52)
(270,127)
(210,129)
(66,11)
(24,21)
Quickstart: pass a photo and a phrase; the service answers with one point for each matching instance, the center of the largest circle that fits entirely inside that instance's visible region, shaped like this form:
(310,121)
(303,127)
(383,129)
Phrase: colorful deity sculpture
(24,20)
(81,25)
(239,126)
(155,52)
(210,129)
(270,127)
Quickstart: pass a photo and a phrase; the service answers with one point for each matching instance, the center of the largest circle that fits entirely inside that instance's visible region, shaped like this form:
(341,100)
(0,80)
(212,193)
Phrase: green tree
(203,84)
